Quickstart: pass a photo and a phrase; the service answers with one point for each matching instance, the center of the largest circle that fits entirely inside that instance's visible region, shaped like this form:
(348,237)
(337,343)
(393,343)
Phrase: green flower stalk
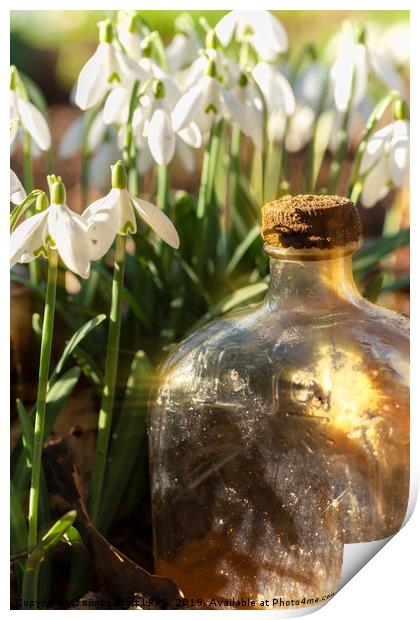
(119,181)
(57,193)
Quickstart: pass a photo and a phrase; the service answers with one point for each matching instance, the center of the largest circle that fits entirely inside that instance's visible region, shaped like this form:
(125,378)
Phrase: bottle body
(277,434)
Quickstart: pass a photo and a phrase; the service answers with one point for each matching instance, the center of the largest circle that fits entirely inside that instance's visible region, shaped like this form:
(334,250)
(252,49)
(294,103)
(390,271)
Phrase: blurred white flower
(357,122)
(104,70)
(105,155)
(17,191)
(115,214)
(385,162)
(72,139)
(245,109)
(129,33)
(57,227)
(226,69)
(26,116)
(356,61)
(181,52)
(279,98)
(259,28)
(395,43)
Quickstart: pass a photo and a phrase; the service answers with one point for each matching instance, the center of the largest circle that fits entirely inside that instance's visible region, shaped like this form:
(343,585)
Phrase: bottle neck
(311,280)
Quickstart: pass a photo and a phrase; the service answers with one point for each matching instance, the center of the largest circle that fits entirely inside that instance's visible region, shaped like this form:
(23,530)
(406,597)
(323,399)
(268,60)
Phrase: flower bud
(158,89)
(400,110)
(58,192)
(119,176)
(211,68)
(41,203)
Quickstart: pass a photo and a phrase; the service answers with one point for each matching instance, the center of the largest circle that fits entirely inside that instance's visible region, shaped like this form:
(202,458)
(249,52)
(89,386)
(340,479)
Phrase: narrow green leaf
(18,527)
(242,249)
(20,209)
(74,341)
(373,251)
(37,556)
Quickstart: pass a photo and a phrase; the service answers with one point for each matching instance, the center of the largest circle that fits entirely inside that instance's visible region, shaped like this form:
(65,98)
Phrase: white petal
(247,116)
(157,220)
(127,222)
(161,137)
(375,185)
(191,135)
(180,52)
(99,172)
(102,218)
(399,156)
(96,134)
(17,191)
(144,159)
(92,82)
(300,128)
(116,106)
(28,237)
(384,70)
(226,27)
(187,107)
(375,148)
(353,59)
(34,121)
(129,67)
(276,89)
(71,140)
(69,234)
(186,155)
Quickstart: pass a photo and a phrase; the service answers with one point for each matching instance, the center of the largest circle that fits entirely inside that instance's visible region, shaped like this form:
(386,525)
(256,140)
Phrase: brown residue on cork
(309,221)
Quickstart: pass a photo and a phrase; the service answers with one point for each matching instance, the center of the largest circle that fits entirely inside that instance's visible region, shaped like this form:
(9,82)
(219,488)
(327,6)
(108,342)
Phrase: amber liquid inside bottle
(278,433)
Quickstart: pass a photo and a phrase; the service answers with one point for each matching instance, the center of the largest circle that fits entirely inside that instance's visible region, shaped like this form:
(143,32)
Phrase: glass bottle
(281,431)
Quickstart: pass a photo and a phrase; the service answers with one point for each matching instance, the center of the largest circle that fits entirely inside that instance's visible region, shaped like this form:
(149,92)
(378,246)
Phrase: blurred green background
(52,46)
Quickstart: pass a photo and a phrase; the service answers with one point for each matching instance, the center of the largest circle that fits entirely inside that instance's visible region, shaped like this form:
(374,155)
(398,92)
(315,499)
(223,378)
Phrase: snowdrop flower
(226,69)
(203,104)
(183,49)
(184,150)
(129,33)
(17,192)
(72,139)
(357,122)
(245,109)
(279,98)
(395,43)
(105,155)
(309,91)
(157,125)
(260,28)
(28,116)
(106,67)
(385,162)
(115,214)
(54,227)
(350,72)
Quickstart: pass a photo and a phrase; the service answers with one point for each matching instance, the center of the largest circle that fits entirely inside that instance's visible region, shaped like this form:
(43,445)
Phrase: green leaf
(20,209)
(56,397)
(373,251)
(74,341)
(37,556)
(88,366)
(127,439)
(374,288)
(243,248)
(18,527)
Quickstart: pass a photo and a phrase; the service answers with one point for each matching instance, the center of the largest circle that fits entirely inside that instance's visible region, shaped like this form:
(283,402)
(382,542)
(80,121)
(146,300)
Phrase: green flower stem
(129,152)
(356,182)
(201,206)
(110,376)
(232,204)
(44,368)
(28,180)
(163,189)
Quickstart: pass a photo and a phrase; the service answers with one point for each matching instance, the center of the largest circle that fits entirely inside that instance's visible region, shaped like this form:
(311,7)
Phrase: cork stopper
(308,221)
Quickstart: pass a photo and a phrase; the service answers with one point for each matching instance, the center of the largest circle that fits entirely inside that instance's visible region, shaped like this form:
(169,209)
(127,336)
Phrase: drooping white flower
(17,191)
(181,52)
(358,118)
(385,162)
(244,107)
(129,33)
(72,139)
(186,142)
(56,227)
(395,43)
(115,214)
(259,28)
(26,116)
(104,70)
(309,91)
(105,155)
(356,61)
